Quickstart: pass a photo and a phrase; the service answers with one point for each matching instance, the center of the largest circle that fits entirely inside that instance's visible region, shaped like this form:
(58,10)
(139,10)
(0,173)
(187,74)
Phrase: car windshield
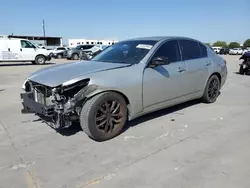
(128,52)
(78,47)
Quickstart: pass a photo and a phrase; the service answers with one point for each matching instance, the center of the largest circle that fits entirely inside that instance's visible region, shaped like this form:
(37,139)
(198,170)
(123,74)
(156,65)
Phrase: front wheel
(40,59)
(211,90)
(104,116)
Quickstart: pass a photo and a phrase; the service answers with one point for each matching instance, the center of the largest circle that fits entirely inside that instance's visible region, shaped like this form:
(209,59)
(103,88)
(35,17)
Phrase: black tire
(33,62)
(40,59)
(241,70)
(75,56)
(210,94)
(94,109)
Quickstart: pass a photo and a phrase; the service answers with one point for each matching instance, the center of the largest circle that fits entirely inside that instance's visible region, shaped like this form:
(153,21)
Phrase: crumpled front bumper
(31,106)
(53,116)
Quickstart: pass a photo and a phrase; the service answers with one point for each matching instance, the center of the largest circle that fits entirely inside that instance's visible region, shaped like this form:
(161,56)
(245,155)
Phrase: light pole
(44,32)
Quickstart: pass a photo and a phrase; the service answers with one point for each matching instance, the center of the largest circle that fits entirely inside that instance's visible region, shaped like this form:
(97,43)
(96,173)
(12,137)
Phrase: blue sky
(205,20)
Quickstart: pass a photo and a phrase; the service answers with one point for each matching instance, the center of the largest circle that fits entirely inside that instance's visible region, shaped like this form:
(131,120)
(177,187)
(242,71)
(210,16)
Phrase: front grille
(41,93)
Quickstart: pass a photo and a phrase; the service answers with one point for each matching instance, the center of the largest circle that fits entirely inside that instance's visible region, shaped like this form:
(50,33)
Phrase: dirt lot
(191,145)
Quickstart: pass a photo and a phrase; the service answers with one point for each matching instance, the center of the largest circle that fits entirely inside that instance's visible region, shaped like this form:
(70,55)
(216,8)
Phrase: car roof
(159,38)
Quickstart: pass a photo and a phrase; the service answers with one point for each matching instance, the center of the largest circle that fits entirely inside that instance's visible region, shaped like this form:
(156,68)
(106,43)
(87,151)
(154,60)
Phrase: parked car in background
(224,51)
(57,50)
(90,53)
(127,80)
(236,51)
(22,50)
(246,50)
(216,49)
(60,53)
(74,53)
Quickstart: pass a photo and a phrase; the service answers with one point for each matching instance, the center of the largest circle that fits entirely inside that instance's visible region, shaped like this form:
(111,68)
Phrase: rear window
(203,50)
(190,50)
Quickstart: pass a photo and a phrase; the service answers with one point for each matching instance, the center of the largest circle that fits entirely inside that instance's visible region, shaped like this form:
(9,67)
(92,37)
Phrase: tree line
(223,44)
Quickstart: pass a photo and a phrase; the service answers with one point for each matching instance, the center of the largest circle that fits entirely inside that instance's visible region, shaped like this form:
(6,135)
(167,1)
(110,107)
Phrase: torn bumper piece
(54,118)
(31,106)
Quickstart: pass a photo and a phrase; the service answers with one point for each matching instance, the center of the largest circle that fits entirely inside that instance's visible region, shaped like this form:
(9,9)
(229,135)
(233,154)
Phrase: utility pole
(44,32)
(43,29)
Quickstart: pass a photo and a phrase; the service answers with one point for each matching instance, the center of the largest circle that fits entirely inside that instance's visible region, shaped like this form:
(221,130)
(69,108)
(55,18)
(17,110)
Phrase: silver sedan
(127,80)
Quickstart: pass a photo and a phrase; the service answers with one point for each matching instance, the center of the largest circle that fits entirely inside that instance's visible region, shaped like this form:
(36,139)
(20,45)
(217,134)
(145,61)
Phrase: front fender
(92,90)
(88,91)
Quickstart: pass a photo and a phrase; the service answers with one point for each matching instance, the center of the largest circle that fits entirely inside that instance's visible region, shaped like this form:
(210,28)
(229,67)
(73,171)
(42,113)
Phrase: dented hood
(56,75)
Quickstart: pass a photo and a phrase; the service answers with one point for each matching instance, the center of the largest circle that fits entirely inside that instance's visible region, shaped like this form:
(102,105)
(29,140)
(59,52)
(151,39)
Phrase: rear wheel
(104,116)
(212,89)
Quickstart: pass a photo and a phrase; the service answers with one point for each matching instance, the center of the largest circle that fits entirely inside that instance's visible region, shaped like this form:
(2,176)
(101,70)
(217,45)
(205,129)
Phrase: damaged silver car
(127,80)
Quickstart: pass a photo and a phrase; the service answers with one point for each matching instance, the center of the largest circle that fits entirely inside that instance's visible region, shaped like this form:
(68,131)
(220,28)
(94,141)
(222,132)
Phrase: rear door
(194,55)
(28,50)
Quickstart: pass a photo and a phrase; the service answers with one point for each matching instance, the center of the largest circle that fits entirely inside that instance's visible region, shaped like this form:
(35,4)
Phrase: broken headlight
(72,89)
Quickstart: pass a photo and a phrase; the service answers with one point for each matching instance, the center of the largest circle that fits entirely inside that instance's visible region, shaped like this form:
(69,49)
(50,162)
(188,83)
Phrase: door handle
(180,69)
(21,49)
(208,63)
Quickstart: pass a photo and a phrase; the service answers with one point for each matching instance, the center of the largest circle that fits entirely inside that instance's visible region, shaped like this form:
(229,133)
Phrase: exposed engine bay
(60,106)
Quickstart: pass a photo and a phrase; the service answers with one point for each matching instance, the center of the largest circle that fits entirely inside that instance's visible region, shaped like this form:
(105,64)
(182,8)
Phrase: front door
(165,82)
(27,51)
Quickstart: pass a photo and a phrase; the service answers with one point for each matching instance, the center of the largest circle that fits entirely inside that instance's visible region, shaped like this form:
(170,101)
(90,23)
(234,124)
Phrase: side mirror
(156,61)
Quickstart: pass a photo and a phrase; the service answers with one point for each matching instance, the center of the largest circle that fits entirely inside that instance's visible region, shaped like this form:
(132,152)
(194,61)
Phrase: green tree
(207,43)
(234,45)
(220,44)
(247,43)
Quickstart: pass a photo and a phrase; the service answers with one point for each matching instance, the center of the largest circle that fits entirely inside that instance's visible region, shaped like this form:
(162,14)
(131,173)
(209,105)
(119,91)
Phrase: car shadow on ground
(75,128)
(246,74)
(170,110)
(22,64)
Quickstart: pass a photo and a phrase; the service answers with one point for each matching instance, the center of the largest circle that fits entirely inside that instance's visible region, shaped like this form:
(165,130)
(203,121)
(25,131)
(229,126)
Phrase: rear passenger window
(190,50)
(170,50)
(204,50)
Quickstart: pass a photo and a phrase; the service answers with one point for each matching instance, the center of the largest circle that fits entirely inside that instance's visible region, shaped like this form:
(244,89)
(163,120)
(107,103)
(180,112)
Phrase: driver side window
(26,44)
(169,50)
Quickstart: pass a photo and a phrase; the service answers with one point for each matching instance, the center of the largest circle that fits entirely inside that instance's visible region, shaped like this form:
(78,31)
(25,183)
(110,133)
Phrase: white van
(12,49)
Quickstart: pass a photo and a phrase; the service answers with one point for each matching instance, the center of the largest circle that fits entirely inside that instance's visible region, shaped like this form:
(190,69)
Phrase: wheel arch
(40,55)
(217,74)
(97,92)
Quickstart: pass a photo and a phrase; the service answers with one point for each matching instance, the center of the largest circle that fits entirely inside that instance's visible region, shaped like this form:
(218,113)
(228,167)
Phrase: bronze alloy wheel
(109,116)
(104,116)
(213,89)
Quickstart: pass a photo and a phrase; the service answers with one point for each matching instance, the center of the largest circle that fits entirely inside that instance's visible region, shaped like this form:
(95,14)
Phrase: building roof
(33,37)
